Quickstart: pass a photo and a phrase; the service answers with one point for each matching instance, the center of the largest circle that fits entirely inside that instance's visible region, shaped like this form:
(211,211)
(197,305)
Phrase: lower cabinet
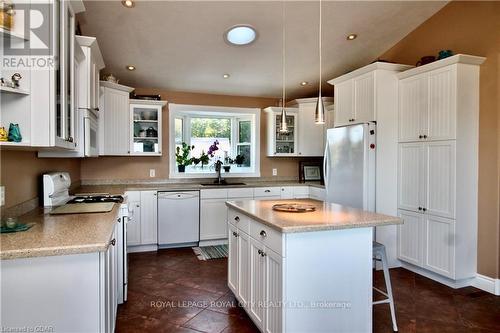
(213,216)
(110,285)
(142,225)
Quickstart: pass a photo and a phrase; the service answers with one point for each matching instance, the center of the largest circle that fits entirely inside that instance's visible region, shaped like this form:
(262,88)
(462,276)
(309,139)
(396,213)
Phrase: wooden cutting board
(84,208)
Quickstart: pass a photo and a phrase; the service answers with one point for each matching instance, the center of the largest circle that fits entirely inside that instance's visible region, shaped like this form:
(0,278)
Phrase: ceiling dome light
(226,76)
(304,83)
(130,67)
(128,3)
(351,37)
(240,35)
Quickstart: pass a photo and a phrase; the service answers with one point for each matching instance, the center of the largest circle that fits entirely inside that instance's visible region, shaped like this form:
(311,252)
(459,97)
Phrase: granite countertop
(327,216)
(54,235)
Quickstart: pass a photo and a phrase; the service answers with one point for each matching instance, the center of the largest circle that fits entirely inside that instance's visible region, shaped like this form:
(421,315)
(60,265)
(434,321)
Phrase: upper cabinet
(146,127)
(278,143)
(361,93)
(88,76)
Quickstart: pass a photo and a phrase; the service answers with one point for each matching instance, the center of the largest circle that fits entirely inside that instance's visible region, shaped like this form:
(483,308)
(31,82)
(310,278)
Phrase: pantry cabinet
(437,167)
(145,127)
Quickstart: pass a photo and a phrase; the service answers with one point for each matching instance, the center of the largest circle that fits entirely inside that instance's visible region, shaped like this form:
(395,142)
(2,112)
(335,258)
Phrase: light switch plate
(2,195)
(152,173)
(275,172)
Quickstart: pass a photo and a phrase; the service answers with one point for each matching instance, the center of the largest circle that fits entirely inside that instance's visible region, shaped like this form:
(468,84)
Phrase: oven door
(90,126)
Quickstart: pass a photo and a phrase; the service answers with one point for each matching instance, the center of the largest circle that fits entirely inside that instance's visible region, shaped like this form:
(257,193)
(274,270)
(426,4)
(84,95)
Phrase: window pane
(245,151)
(245,131)
(204,131)
(178,130)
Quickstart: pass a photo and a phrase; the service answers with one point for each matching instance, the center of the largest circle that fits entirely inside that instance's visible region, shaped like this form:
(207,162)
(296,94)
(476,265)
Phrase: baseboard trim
(142,248)
(487,284)
(213,242)
(455,284)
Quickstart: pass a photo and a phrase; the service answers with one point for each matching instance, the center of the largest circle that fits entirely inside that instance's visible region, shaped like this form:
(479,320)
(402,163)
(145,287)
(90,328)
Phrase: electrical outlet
(275,172)
(2,195)
(152,173)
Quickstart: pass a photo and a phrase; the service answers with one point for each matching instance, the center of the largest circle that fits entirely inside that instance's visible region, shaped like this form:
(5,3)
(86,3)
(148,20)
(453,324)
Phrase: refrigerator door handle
(325,163)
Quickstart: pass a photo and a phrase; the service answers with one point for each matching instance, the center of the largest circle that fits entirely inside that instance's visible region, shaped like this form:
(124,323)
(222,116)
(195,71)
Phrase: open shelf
(12,34)
(9,90)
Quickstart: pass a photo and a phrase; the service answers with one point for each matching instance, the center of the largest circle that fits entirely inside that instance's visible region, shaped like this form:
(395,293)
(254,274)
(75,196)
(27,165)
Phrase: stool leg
(388,286)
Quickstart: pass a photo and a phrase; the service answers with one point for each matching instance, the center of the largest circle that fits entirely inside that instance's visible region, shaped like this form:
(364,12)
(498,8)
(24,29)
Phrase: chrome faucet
(218,169)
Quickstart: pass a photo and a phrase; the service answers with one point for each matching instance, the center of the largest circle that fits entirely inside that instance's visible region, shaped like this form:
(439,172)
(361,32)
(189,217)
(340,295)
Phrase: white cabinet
(110,284)
(243,267)
(344,103)
(88,75)
(134,223)
(149,217)
(213,217)
(437,168)
(274,291)
(145,127)
(257,283)
(281,144)
(114,120)
(317,193)
(232,262)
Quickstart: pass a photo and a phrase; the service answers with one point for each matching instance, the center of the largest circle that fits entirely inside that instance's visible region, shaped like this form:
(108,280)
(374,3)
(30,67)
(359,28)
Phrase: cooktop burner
(96,198)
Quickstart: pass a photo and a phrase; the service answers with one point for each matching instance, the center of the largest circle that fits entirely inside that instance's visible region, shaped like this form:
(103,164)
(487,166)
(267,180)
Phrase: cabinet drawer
(133,196)
(268,236)
(239,220)
(301,192)
(214,194)
(240,193)
(267,192)
(287,192)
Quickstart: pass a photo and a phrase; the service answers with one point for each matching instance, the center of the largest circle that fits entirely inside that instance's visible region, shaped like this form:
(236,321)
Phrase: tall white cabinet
(438,167)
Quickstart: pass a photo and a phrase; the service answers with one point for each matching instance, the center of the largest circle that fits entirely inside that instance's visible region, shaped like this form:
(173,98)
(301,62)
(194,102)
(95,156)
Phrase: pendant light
(283,125)
(319,113)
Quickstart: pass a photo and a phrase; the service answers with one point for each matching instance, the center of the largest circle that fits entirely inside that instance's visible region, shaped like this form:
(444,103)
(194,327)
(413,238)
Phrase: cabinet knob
(237,219)
(424,209)
(262,254)
(235,234)
(419,208)
(70,139)
(420,136)
(137,206)
(119,220)
(96,109)
(263,233)
(113,242)
(425,136)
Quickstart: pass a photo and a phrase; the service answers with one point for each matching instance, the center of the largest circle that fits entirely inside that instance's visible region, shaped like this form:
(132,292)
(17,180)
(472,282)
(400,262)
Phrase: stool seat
(379,254)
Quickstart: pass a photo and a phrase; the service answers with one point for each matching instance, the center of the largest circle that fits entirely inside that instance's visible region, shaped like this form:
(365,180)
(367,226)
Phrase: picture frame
(310,171)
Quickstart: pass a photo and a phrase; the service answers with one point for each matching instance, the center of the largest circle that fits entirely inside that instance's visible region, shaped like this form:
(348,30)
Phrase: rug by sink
(211,252)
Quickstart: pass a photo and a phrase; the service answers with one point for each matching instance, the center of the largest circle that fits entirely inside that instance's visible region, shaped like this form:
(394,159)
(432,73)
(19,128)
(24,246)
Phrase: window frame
(186,111)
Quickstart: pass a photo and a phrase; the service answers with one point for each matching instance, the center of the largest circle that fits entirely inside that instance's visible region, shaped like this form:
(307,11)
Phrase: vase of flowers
(182,156)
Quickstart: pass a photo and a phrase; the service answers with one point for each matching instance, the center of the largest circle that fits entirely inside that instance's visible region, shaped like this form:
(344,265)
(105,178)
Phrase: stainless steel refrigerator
(349,165)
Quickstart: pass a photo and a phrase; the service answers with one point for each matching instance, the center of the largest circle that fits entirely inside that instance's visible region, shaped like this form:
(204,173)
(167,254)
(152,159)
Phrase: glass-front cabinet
(281,143)
(146,131)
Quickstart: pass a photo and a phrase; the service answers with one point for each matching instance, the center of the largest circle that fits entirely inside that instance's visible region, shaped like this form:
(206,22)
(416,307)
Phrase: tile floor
(172,291)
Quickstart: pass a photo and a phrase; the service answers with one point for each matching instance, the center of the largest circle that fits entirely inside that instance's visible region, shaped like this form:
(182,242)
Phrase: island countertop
(53,235)
(327,216)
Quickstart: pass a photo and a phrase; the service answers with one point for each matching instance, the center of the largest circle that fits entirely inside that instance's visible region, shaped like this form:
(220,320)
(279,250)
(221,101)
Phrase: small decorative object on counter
(294,208)
(4,136)
(16,78)
(15,133)
(151,132)
(444,54)
(227,168)
(239,160)
(112,78)
(182,156)
(426,60)
(7,13)
(11,222)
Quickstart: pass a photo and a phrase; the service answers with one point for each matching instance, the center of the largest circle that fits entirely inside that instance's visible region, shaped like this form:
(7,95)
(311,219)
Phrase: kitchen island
(303,272)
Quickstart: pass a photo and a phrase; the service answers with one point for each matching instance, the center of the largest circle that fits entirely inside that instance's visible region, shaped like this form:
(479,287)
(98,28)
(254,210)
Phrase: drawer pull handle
(262,253)
(119,220)
(113,242)
(237,219)
(267,191)
(263,233)
(235,234)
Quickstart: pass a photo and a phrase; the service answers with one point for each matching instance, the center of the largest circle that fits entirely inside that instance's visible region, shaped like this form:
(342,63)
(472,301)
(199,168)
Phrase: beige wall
(138,167)
(21,171)
(471,28)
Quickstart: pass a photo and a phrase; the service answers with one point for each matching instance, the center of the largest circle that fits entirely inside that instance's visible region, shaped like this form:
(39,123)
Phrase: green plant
(204,158)
(182,154)
(239,159)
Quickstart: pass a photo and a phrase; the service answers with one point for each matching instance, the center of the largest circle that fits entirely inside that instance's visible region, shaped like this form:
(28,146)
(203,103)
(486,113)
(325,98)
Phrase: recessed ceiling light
(240,34)
(304,83)
(128,3)
(130,67)
(352,36)
(226,76)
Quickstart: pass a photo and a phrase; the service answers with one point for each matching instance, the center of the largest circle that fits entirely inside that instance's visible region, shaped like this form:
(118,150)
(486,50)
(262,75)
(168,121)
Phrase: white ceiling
(178,45)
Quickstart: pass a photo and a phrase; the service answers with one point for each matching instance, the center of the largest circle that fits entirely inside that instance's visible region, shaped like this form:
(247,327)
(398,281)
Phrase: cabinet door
(287,192)
(134,224)
(364,102)
(344,103)
(413,108)
(442,104)
(439,245)
(274,292)
(244,268)
(311,139)
(411,167)
(232,270)
(286,143)
(115,122)
(149,217)
(257,283)
(213,219)
(440,178)
(410,237)
(145,129)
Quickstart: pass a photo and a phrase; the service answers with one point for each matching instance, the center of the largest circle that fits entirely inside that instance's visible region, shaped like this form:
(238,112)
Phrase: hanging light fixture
(319,113)
(283,124)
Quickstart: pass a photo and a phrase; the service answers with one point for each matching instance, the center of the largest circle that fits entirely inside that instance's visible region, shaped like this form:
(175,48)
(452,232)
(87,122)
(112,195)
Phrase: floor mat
(211,252)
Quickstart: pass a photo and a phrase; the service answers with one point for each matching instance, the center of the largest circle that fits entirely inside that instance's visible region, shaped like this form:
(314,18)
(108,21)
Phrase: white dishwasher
(178,219)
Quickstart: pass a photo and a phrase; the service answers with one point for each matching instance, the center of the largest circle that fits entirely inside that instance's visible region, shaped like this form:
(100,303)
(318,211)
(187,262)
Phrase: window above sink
(236,131)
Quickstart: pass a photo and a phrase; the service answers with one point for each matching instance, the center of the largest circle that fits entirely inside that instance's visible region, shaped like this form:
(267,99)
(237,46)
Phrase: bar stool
(379,254)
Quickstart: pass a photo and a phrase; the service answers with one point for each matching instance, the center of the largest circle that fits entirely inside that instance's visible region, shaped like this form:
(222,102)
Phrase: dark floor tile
(240,324)
(209,322)
(228,304)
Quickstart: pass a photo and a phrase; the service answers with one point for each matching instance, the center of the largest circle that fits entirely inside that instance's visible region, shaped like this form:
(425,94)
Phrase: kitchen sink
(222,184)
